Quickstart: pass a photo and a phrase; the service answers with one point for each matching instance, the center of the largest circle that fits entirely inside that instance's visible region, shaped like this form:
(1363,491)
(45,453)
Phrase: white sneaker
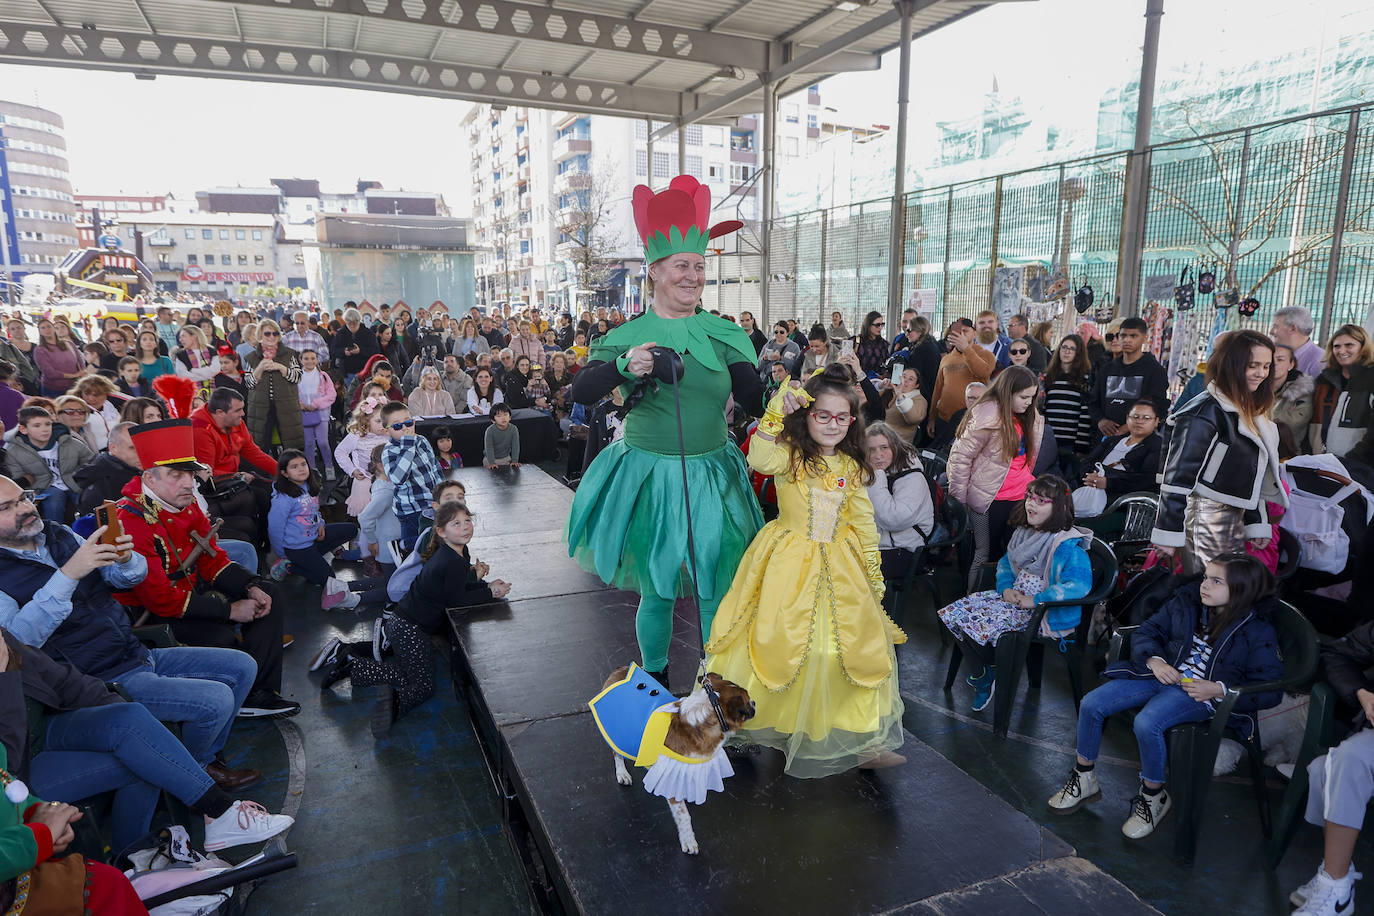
(349,600)
(1328,896)
(1079,790)
(245,822)
(335,593)
(1299,896)
(327,655)
(1146,813)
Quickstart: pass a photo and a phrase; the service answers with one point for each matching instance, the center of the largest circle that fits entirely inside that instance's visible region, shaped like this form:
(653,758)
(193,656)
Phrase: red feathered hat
(675,220)
(166,443)
(178,391)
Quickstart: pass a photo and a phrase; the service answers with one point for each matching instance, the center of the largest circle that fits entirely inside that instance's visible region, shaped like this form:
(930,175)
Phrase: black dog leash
(669,363)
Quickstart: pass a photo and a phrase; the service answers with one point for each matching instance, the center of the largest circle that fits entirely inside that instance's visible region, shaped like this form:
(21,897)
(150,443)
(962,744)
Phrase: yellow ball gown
(802,627)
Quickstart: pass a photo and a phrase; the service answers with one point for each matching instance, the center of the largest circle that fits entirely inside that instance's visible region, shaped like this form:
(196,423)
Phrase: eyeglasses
(28,496)
(72,412)
(1039,501)
(828,419)
(1141,416)
(879,324)
(271,333)
(1109,337)
(402,425)
(1019,352)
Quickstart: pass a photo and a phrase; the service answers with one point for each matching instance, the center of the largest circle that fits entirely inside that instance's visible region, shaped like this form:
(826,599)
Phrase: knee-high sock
(654,630)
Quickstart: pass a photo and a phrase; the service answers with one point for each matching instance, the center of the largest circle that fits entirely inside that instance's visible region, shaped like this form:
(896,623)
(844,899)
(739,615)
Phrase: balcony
(526,232)
(523,175)
(571,180)
(569,146)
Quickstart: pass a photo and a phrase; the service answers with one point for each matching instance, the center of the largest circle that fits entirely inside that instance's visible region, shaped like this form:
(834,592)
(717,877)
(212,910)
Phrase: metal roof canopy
(664,59)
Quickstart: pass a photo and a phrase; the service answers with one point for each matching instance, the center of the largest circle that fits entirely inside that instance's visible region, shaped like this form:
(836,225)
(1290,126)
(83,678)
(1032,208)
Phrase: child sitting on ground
(501,444)
(1203,639)
(299,534)
(1045,561)
(443,449)
(446,580)
(411,466)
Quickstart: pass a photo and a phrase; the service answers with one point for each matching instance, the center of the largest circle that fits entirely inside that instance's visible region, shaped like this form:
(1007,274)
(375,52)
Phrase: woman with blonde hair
(429,399)
(1344,399)
(195,360)
(992,460)
(95,392)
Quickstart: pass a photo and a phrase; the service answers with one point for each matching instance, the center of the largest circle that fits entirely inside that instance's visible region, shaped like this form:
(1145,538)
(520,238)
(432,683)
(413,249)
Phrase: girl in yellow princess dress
(802,627)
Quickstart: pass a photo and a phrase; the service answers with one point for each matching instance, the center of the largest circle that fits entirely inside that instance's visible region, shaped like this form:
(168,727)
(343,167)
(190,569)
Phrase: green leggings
(654,628)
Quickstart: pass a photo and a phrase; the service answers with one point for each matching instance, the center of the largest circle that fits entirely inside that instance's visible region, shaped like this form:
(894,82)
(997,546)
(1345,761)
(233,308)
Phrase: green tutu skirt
(628,524)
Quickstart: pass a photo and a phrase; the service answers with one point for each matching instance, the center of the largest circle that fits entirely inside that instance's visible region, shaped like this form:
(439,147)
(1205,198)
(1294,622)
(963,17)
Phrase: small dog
(681,741)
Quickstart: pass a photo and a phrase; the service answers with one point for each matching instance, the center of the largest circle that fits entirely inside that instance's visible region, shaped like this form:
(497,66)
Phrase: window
(789,146)
(641,163)
(694,167)
(209,259)
(791,113)
(257,260)
(226,260)
(662,165)
(207,233)
(716,172)
(694,135)
(243,260)
(190,259)
(257,233)
(812,123)
(641,130)
(715,136)
(224,235)
(190,233)
(739,172)
(240,234)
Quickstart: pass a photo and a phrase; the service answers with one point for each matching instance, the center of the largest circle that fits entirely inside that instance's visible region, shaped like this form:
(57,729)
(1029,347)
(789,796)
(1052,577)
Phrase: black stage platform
(922,838)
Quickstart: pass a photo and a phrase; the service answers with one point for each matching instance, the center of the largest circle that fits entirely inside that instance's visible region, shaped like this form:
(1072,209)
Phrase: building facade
(36,200)
(536,174)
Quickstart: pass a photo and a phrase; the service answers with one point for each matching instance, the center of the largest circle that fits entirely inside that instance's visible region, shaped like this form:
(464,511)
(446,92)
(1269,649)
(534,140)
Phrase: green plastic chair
(1318,738)
(1193,746)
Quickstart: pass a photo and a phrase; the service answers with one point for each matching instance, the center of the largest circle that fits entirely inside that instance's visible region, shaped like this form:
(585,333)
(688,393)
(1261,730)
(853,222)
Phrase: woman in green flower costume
(628,522)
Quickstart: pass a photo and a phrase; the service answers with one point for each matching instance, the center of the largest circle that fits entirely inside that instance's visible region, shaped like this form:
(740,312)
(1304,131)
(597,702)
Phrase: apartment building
(37,207)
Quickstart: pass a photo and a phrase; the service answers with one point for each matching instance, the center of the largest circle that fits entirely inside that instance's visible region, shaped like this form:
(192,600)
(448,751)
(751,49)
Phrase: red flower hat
(675,220)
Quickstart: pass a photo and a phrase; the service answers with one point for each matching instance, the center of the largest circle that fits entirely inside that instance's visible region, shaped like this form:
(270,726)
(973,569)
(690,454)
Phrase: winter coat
(977,466)
(1071,576)
(274,390)
(901,505)
(317,411)
(102,479)
(293,521)
(1345,661)
(1137,471)
(1293,405)
(1214,455)
(1353,425)
(958,369)
(30,470)
(226,452)
(1246,652)
(59,366)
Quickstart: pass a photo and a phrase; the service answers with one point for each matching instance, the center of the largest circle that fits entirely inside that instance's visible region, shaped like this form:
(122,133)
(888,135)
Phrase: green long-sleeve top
(501,443)
(22,845)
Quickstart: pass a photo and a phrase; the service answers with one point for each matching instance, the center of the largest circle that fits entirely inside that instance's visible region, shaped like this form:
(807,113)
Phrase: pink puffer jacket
(976,466)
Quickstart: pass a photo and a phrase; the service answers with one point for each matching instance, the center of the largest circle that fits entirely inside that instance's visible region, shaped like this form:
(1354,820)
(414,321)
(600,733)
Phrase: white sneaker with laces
(1328,896)
(1081,788)
(327,655)
(1146,813)
(349,599)
(245,822)
(1299,896)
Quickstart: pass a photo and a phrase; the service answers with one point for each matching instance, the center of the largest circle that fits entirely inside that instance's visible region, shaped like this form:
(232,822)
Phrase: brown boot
(231,779)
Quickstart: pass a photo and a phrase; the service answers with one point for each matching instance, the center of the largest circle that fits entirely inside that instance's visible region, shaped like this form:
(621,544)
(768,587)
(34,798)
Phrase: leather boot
(660,676)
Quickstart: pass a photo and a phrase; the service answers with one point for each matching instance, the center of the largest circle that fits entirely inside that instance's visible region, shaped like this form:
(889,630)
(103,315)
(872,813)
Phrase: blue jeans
(410,528)
(198,687)
(1162,706)
(240,552)
(309,561)
(54,504)
(119,748)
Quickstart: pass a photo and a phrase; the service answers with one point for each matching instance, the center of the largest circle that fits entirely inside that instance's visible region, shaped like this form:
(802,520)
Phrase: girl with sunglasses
(1046,560)
(802,627)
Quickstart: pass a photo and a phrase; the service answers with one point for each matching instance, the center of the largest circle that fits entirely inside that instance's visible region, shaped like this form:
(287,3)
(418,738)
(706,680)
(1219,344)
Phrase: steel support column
(896,249)
(1333,266)
(1138,169)
(770,112)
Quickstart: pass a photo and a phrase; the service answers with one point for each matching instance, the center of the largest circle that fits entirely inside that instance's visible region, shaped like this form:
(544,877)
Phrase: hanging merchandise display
(1083,297)
(1183,292)
(1248,306)
(1227,298)
(1207,281)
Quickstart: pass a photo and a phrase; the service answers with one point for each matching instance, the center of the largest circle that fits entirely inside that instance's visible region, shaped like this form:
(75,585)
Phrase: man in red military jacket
(191,582)
(234,492)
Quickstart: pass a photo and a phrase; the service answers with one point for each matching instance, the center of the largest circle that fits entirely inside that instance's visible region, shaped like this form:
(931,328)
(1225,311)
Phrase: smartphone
(847,347)
(107,514)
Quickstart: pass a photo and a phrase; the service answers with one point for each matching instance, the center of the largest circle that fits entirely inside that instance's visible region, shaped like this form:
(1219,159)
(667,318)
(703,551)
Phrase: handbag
(1183,292)
(1227,298)
(1207,281)
(1083,297)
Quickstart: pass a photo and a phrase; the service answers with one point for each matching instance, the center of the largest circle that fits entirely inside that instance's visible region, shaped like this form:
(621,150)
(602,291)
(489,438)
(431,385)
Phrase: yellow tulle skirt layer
(803,632)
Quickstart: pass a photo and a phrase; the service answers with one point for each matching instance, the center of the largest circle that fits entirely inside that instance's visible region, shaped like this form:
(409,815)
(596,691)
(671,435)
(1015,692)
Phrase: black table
(538,433)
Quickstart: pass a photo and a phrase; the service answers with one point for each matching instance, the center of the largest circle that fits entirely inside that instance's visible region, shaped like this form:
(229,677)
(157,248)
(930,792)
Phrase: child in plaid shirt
(412,467)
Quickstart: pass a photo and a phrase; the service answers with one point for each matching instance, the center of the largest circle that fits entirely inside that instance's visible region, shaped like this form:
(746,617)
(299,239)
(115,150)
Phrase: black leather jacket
(1213,455)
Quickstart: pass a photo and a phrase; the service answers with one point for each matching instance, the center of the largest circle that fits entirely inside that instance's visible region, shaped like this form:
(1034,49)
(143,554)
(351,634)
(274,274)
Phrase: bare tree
(589,234)
(1251,201)
(505,239)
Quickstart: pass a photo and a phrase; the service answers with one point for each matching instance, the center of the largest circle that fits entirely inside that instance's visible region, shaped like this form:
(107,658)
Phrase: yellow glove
(771,423)
(873,560)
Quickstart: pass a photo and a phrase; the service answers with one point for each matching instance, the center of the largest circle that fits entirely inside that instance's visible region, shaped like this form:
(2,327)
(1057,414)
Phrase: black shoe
(342,671)
(264,704)
(660,676)
(384,713)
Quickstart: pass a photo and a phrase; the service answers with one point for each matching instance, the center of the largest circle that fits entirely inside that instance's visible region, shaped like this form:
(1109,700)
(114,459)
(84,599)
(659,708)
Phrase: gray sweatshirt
(501,443)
